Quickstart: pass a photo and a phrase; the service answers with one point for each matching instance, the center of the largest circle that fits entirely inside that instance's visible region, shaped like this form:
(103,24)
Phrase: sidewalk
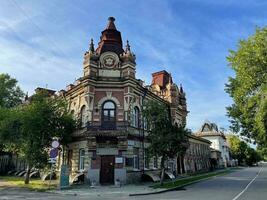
(125,190)
(128,190)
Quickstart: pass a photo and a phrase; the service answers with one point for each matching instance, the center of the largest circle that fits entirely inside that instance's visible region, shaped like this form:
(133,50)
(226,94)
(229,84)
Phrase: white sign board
(119,160)
(107,151)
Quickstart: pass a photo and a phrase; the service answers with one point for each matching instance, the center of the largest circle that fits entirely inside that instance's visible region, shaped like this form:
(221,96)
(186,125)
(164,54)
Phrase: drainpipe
(143,130)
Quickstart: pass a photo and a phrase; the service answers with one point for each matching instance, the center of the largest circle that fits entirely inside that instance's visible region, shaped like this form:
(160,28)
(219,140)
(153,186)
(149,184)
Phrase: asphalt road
(246,184)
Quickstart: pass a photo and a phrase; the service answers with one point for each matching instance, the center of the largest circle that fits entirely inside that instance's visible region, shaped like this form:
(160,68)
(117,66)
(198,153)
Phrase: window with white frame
(109,113)
(83,116)
(81,159)
(135,116)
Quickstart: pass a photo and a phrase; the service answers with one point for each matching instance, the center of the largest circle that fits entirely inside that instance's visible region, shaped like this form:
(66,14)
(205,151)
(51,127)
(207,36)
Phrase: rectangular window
(136,158)
(146,159)
(155,162)
(171,166)
(129,162)
(136,162)
(69,162)
(81,159)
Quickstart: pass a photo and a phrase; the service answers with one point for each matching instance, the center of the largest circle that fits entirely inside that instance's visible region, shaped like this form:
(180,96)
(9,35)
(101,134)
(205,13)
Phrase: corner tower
(163,86)
(109,59)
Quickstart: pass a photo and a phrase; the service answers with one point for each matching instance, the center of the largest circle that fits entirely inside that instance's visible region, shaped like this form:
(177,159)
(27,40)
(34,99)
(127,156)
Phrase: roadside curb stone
(180,187)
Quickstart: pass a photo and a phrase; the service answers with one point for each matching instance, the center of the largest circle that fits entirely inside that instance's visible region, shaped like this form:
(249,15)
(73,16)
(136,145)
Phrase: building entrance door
(107,170)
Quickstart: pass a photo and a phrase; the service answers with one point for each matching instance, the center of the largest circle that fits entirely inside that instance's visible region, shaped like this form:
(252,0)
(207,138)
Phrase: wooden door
(107,170)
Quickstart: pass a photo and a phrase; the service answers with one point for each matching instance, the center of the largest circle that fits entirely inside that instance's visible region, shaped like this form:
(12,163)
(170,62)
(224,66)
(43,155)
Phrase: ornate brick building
(111,142)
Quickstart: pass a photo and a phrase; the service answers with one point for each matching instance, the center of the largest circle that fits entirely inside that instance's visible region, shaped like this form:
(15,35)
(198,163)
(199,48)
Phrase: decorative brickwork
(106,97)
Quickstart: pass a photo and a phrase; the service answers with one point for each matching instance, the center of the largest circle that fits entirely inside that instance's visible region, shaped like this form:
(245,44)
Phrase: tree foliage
(237,147)
(249,87)
(10,93)
(166,140)
(28,129)
(262,152)
(241,151)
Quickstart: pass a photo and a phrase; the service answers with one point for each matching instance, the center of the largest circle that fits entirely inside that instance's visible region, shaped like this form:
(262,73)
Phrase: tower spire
(181,88)
(127,47)
(92,48)
(110,39)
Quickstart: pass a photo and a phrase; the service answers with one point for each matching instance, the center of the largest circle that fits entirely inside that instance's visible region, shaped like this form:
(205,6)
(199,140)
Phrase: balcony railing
(96,126)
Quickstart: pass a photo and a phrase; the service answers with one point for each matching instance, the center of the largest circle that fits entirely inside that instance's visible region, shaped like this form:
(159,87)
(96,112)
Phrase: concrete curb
(174,188)
(171,189)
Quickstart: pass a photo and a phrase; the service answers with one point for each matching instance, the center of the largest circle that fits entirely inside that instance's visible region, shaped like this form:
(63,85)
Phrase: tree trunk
(27,176)
(162,170)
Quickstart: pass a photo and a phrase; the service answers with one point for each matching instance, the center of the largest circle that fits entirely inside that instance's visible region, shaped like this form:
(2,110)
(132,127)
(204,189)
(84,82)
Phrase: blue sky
(43,42)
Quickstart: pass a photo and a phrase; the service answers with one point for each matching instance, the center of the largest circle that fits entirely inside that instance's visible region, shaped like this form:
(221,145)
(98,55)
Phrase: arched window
(72,113)
(136,117)
(109,114)
(83,116)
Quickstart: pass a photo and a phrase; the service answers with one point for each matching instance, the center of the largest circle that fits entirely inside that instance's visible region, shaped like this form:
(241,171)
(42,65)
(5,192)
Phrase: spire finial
(92,48)
(181,88)
(111,24)
(112,19)
(127,47)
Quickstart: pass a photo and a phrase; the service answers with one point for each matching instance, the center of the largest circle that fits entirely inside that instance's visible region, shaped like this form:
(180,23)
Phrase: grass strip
(35,184)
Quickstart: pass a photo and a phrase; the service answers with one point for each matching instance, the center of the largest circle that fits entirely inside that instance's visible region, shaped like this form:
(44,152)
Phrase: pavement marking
(237,196)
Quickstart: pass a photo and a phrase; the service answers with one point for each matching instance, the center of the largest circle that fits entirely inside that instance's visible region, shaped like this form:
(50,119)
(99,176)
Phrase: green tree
(252,156)
(263,152)
(10,93)
(242,151)
(249,87)
(28,129)
(238,148)
(166,140)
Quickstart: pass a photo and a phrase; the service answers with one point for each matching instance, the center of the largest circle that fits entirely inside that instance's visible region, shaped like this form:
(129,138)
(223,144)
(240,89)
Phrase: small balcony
(119,126)
(106,129)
